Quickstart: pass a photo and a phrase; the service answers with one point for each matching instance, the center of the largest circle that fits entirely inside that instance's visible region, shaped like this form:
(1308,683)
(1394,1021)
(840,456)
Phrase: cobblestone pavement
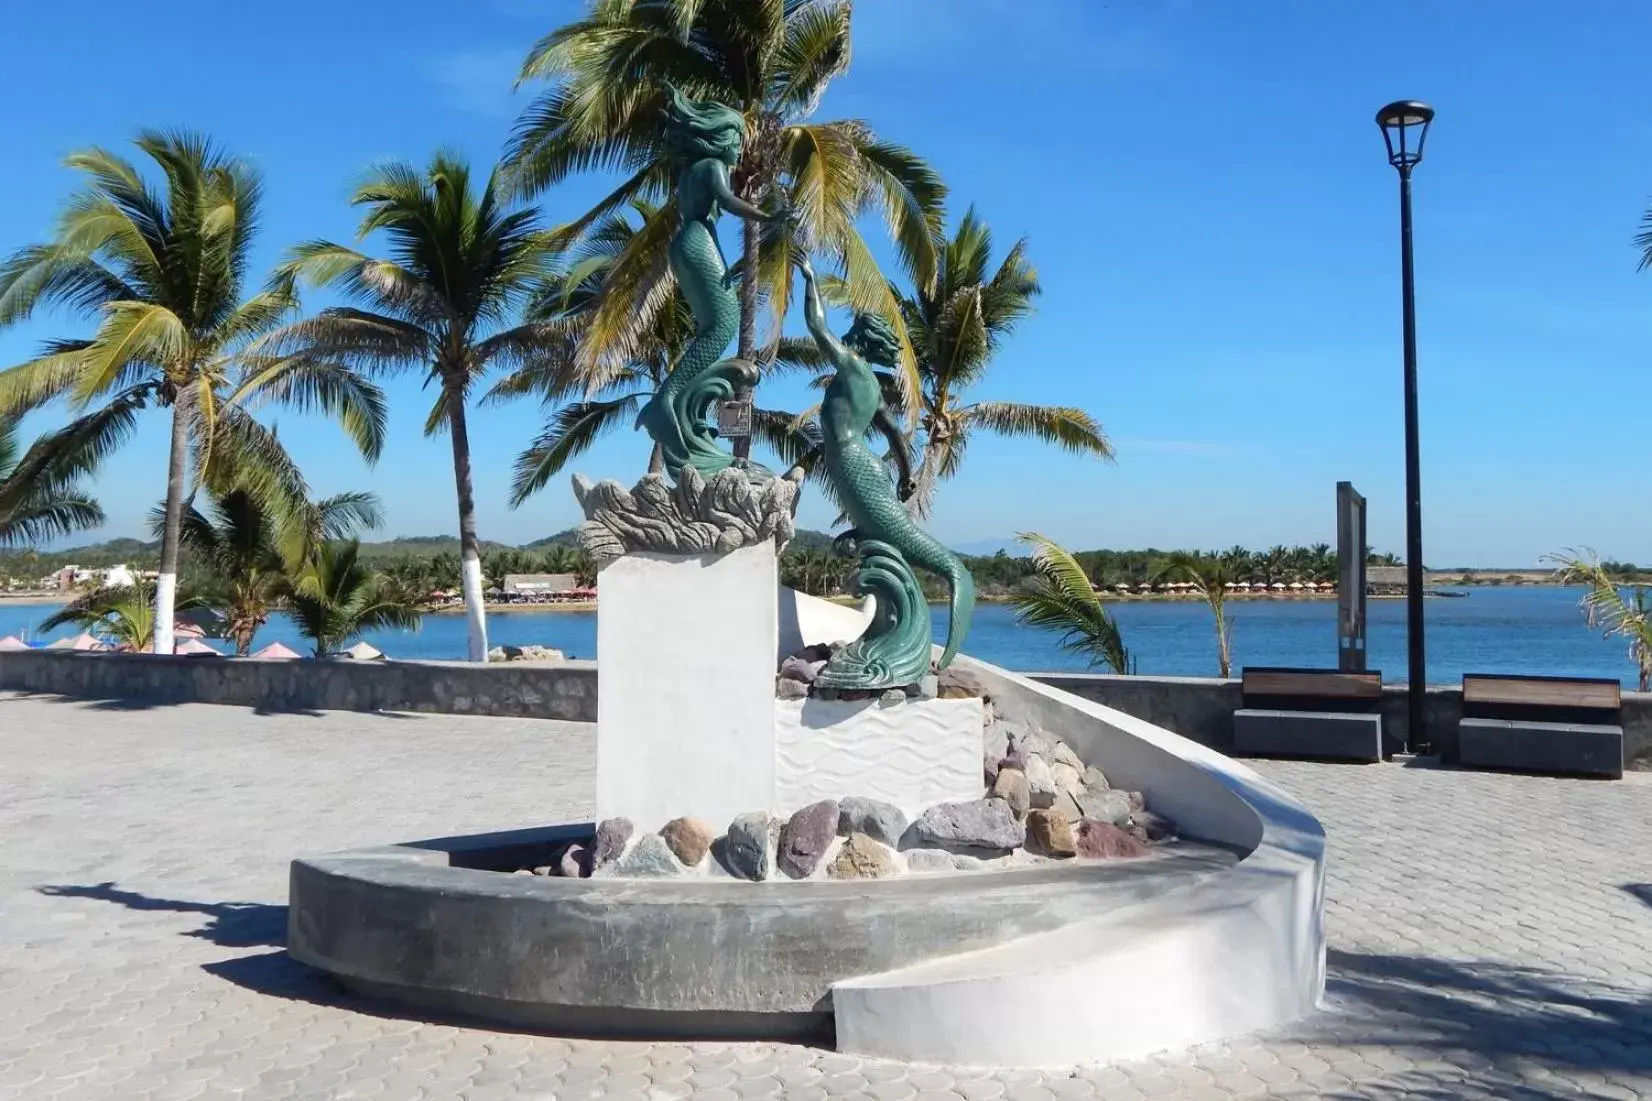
(1491,936)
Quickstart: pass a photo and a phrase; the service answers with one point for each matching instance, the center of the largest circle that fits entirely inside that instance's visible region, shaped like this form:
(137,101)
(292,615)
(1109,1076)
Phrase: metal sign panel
(734,420)
(1351,551)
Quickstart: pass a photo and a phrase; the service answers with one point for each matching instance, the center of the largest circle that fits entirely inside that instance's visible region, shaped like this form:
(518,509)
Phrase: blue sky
(1204,193)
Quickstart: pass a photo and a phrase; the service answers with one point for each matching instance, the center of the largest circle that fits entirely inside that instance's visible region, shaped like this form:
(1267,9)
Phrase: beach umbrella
(185,629)
(12,642)
(1123,588)
(1295,585)
(276,652)
(1278,586)
(82,642)
(361,651)
(193,647)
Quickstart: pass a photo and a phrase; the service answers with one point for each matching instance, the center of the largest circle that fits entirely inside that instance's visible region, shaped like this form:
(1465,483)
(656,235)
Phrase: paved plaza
(1490,935)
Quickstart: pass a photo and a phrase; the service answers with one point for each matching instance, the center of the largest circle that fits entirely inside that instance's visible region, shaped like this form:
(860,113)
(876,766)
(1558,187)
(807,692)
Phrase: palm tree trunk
(923,481)
(746,348)
(656,460)
(470,557)
(166,586)
(1224,638)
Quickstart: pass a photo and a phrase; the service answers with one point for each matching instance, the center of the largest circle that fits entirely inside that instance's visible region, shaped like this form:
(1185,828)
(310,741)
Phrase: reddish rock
(805,837)
(1105,841)
(689,838)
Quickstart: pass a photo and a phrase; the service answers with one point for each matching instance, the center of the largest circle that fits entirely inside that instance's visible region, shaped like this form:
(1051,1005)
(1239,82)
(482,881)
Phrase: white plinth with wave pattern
(912,754)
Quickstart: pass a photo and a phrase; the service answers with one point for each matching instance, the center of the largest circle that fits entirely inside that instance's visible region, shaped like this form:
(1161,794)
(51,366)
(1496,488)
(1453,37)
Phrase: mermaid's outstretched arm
(884,421)
(814,315)
(717,178)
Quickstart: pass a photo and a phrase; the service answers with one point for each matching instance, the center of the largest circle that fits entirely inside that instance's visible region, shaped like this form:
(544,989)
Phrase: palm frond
(1070,428)
(570,432)
(1061,598)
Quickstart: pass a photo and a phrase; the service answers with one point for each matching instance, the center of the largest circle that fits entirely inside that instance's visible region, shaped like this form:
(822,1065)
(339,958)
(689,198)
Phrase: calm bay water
(1493,630)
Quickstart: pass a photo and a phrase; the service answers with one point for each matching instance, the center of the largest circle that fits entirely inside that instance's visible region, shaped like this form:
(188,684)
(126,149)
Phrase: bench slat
(1607,696)
(1329,684)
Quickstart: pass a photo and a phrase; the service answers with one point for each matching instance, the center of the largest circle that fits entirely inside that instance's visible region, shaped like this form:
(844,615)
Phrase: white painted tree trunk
(166,598)
(470,575)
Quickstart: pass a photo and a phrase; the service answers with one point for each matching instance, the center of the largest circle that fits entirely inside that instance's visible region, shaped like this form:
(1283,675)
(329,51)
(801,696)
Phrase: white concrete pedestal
(685,702)
(913,754)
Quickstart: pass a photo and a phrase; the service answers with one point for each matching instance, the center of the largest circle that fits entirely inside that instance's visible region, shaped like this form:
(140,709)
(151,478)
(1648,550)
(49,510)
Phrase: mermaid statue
(895,650)
(706,139)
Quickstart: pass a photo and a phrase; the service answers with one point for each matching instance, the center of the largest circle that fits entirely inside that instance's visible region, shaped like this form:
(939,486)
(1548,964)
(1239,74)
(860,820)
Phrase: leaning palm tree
(1608,608)
(41,497)
(957,327)
(339,596)
(1210,576)
(1060,597)
(250,555)
(123,614)
(463,263)
(162,270)
(611,74)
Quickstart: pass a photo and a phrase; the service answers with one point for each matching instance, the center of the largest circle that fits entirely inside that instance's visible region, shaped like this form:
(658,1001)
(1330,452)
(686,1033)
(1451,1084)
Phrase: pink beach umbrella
(11,643)
(276,652)
(193,647)
(83,642)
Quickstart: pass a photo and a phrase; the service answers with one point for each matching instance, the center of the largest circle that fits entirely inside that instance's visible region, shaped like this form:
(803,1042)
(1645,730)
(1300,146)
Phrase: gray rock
(860,857)
(929,860)
(698,515)
(892,696)
(989,768)
(929,686)
(612,834)
(963,862)
(995,741)
(955,684)
(1106,806)
(1152,828)
(981,824)
(1063,754)
(1067,804)
(878,820)
(1040,783)
(1095,779)
(575,862)
(649,858)
(1138,801)
(523,871)
(1011,786)
(815,654)
(745,848)
(787,689)
(543,869)
(799,670)
(1067,778)
(805,837)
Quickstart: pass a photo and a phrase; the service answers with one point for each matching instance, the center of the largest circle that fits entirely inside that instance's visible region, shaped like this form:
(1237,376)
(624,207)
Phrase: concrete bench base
(1313,734)
(1575,748)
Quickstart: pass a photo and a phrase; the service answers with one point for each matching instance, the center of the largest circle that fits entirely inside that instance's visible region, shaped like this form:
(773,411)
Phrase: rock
(799,670)
(525,653)
(861,857)
(892,696)
(1105,841)
(575,862)
(929,687)
(804,838)
(819,652)
(929,860)
(1095,779)
(543,869)
(746,847)
(1014,759)
(1068,806)
(955,684)
(995,741)
(980,824)
(1138,801)
(1050,833)
(878,820)
(523,871)
(688,838)
(1106,806)
(1150,827)
(1011,786)
(612,834)
(649,858)
(787,689)
(1063,754)
(1067,778)
(1040,783)
(989,768)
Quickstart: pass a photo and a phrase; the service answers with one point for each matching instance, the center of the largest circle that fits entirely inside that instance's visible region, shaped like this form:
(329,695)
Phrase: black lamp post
(1404,128)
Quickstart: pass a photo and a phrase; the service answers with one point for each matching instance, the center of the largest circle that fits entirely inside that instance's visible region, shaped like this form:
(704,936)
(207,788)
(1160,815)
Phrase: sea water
(1527,629)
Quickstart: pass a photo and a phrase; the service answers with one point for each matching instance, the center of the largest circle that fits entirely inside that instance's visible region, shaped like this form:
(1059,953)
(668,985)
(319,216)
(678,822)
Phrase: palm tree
(338,597)
(462,266)
(611,73)
(957,327)
(41,497)
(1608,608)
(1060,597)
(163,271)
(123,613)
(252,555)
(1210,576)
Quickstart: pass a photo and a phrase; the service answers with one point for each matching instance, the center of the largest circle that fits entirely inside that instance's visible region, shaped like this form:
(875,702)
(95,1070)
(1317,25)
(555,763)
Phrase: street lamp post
(1404,128)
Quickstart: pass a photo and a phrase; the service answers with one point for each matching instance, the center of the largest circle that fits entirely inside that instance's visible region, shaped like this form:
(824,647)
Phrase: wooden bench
(1542,724)
(1321,713)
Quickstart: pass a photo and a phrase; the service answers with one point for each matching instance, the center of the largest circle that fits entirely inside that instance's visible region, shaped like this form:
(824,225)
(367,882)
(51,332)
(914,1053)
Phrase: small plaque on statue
(734,420)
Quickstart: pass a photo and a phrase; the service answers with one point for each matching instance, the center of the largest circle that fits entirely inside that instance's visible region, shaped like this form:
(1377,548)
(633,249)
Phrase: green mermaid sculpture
(706,138)
(895,650)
